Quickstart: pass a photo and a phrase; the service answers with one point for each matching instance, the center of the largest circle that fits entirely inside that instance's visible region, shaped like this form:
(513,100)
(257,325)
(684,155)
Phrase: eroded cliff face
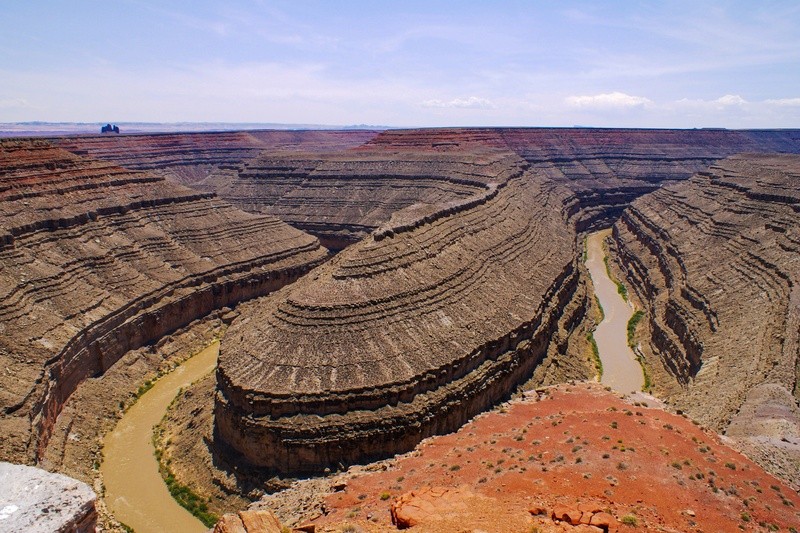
(605,168)
(96,260)
(715,262)
(406,334)
(342,197)
(190,157)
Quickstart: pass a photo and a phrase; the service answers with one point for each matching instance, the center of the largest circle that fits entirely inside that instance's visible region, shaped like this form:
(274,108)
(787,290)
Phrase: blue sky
(412,63)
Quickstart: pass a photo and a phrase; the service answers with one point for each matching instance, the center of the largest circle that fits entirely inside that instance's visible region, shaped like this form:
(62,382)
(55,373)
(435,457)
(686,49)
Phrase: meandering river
(135,491)
(621,370)
(137,495)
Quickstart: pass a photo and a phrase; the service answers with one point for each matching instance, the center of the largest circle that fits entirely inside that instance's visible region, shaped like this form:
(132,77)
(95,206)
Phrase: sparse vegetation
(595,357)
(621,289)
(630,520)
(183,494)
(600,308)
(632,323)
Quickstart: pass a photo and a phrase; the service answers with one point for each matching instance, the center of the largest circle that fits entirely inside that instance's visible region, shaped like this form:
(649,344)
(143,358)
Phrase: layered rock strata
(342,197)
(190,157)
(96,260)
(403,335)
(606,168)
(715,262)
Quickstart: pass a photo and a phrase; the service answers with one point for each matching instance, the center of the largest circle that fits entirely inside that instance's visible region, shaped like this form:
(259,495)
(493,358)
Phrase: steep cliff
(607,168)
(96,260)
(189,157)
(342,197)
(405,334)
(715,262)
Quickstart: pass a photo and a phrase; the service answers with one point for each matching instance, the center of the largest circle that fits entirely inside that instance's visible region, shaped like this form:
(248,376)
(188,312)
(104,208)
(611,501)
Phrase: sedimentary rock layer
(715,261)
(189,157)
(96,260)
(405,334)
(342,197)
(606,168)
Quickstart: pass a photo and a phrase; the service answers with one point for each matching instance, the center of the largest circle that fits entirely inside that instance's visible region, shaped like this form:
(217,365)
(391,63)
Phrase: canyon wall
(405,334)
(190,157)
(714,260)
(607,168)
(96,260)
(341,197)
(462,280)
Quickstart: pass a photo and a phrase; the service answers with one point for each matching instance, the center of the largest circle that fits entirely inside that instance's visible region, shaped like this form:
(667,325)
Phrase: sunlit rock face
(38,501)
(408,333)
(715,259)
(96,260)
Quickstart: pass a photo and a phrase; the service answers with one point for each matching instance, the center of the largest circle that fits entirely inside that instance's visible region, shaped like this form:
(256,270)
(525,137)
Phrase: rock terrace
(96,260)
(714,260)
(402,336)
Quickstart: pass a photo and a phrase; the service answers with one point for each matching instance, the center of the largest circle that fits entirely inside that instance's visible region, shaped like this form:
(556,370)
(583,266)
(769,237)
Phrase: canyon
(388,286)
(714,262)
(98,260)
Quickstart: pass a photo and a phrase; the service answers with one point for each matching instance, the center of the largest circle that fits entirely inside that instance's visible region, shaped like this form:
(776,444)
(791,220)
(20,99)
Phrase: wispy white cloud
(723,103)
(784,102)
(473,102)
(615,100)
(15,103)
(730,100)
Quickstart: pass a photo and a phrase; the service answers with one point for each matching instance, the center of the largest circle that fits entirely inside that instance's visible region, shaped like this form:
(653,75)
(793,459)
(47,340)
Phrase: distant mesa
(108,128)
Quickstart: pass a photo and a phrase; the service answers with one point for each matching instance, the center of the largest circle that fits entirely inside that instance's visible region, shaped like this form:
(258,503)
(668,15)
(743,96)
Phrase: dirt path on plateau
(621,370)
(135,491)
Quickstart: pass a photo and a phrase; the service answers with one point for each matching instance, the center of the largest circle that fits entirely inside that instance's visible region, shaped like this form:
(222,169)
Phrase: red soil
(578,444)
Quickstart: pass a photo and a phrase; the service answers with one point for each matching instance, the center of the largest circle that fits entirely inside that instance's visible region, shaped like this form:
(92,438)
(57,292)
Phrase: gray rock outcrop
(36,501)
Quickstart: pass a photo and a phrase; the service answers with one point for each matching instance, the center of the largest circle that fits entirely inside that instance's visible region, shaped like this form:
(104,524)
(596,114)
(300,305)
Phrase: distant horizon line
(40,128)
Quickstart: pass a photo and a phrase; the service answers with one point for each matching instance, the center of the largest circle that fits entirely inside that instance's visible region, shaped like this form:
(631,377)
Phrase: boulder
(604,521)
(426,504)
(36,501)
(258,521)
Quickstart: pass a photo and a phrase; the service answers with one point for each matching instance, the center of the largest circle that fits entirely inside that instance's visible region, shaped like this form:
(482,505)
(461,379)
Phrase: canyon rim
(372,289)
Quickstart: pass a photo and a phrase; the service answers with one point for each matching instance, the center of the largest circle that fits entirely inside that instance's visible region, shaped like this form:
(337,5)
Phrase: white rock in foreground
(34,500)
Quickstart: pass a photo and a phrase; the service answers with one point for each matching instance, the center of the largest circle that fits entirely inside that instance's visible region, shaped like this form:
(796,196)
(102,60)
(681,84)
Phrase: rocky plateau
(457,279)
(572,458)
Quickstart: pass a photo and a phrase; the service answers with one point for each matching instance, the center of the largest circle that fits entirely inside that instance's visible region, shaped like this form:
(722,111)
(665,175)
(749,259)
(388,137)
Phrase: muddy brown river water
(137,495)
(621,370)
(135,492)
